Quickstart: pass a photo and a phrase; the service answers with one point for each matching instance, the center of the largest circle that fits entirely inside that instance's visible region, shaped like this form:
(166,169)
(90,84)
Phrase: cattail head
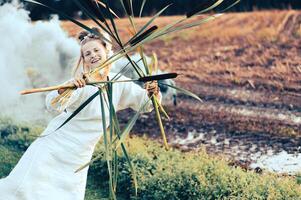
(143,35)
(202,7)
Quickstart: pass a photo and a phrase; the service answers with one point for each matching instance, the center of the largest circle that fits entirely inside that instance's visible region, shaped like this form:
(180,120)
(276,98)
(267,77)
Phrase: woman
(47,169)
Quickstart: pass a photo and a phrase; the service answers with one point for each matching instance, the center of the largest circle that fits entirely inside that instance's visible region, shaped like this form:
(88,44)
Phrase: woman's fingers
(150,84)
(79,82)
(152,88)
(83,82)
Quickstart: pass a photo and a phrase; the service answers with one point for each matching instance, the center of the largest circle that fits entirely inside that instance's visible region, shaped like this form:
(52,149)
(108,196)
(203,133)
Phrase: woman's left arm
(133,96)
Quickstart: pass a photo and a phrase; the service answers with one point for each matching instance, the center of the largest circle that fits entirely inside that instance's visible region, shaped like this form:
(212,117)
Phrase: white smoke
(31,54)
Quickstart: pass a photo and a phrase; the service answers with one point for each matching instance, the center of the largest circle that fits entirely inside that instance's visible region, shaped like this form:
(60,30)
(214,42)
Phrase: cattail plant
(114,137)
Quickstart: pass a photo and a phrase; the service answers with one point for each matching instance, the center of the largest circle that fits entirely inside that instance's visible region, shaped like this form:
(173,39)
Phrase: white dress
(46,169)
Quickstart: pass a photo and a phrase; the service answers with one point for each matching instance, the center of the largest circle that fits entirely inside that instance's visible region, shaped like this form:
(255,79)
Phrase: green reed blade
(190,25)
(113,24)
(143,35)
(128,7)
(108,149)
(203,7)
(158,117)
(115,170)
(89,9)
(162,109)
(148,23)
(124,151)
(62,14)
(103,5)
(82,106)
(226,5)
(130,125)
(89,163)
(184,91)
(141,8)
(92,14)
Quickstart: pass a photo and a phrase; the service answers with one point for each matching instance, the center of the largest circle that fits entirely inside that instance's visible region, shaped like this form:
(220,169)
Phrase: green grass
(164,175)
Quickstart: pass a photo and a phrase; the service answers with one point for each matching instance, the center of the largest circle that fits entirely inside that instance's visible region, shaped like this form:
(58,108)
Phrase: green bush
(19,136)
(161,175)
(176,175)
(8,159)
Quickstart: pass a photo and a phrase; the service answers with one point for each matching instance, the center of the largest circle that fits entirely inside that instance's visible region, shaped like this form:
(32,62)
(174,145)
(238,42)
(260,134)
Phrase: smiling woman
(47,169)
(94,51)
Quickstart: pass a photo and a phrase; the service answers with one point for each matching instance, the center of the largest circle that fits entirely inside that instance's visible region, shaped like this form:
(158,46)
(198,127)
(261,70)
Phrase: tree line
(178,7)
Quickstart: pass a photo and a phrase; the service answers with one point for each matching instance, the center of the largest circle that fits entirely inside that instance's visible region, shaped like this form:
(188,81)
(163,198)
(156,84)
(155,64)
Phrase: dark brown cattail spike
(206,4)
(144,35)
(128,7)
(158,77)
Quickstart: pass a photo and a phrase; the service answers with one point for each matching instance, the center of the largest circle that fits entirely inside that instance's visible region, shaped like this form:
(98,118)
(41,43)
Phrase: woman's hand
(152,88)
(78,82)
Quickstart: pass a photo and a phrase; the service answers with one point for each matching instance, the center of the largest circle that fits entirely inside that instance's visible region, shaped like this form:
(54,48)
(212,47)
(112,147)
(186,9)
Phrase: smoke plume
(32,54)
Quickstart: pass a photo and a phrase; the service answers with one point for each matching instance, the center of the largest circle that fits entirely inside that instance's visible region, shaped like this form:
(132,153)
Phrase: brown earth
(247,69)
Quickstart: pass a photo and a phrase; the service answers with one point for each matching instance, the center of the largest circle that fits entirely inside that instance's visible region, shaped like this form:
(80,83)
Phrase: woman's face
(94,54)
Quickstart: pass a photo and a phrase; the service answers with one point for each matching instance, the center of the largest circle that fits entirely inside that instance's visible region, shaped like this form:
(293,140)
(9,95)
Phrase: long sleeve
(133,96)
(71,103)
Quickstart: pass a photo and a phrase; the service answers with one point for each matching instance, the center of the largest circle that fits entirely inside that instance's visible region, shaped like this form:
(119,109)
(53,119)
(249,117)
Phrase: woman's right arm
(71,101)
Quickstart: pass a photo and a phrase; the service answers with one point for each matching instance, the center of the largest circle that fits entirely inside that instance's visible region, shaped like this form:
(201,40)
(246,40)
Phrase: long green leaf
(123,70)
(118,40)
(95,12)
(183,91)
(89,163)
(158,116)
(111,11)
(205,6)
(82,106)
(190,25)
(115,170)
(128,7)
(226,5)
(83,26)
(115,159)
(148,23)
(62,14)
(130,125)
(143,35)
(89,7)
(124,151)
(162,109)
(146,67)
(141,8)
(108,148)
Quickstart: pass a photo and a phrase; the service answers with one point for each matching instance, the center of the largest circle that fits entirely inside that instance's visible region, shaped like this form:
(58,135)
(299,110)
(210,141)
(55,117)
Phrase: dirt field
(247,69)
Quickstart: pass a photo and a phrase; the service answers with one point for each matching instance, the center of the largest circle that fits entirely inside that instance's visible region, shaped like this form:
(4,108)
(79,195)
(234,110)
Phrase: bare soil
(247,69)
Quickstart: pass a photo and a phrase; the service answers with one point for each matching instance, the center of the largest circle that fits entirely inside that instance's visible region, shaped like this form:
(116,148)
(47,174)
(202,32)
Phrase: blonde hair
(85,37)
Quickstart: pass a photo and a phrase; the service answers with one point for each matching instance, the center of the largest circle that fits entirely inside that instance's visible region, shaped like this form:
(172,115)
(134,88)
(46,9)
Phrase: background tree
(179,6)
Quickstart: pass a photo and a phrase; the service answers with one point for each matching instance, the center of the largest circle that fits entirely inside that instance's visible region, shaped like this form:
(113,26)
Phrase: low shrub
(19,136)
(161,174)
(8,159)
(195,175)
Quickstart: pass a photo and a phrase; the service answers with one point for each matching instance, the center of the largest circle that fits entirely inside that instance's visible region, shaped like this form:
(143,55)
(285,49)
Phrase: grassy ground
(161,174)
